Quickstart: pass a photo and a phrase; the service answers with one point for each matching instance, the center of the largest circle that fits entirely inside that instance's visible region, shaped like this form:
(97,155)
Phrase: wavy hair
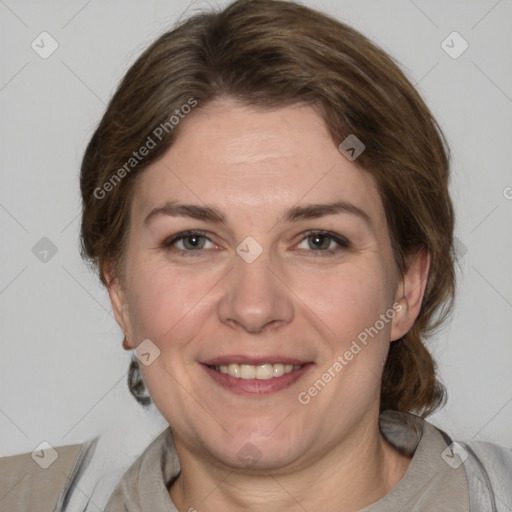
(271,54)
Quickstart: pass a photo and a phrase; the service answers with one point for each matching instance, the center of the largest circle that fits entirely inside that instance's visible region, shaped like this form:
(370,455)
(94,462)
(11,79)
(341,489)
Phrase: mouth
(255,377)
(263,371)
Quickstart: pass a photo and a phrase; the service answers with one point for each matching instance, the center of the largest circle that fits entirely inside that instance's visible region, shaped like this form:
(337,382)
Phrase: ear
(409,294)
(119,304)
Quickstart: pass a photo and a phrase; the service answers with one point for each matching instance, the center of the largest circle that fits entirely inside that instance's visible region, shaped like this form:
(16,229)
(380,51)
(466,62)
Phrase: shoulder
(488,469)
(35,480)
(495,459)
(487,466)
(494,456)
(57,479)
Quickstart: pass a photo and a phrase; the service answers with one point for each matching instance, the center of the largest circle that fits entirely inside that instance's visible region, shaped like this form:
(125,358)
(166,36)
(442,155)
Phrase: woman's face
(271,278)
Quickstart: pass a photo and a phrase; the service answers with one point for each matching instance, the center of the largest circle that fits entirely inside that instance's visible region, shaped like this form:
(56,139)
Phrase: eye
(323,241)
(188,241)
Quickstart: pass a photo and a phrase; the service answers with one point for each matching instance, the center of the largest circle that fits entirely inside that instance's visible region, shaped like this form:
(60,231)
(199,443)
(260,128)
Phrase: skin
(293,300)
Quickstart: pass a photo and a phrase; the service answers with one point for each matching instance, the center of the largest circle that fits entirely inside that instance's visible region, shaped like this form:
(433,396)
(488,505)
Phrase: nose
(255,297)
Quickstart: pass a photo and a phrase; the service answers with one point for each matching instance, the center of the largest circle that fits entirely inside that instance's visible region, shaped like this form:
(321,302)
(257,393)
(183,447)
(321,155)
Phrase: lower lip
(256,386)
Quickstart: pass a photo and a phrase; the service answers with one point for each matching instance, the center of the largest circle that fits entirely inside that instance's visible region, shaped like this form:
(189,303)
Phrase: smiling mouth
(264,371)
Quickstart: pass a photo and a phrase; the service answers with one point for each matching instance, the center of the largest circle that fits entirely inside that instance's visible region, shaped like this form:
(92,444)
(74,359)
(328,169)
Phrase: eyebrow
(294,214)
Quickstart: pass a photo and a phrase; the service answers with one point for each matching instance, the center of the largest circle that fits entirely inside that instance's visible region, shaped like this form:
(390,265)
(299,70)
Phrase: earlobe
(410,292)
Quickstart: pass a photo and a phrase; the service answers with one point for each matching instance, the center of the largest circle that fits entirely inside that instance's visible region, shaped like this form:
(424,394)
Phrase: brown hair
(271,54)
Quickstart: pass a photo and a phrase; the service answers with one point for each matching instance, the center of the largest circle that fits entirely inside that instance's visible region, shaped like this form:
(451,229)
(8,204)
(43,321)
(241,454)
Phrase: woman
(266,201)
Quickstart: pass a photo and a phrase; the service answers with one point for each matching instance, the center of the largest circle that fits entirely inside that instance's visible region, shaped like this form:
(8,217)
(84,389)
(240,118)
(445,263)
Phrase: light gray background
(62,368)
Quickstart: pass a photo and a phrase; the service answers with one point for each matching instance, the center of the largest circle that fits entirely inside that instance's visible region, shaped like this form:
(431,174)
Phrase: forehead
(230,155)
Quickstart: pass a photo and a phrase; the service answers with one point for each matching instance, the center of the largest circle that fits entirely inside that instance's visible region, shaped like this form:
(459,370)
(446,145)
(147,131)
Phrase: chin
(262,448)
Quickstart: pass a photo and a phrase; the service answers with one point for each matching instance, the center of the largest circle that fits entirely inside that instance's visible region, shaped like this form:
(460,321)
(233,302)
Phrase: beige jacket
(27,485)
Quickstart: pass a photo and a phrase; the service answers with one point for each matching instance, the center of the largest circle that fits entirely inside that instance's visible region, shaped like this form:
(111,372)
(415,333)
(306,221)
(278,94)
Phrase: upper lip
(252,360)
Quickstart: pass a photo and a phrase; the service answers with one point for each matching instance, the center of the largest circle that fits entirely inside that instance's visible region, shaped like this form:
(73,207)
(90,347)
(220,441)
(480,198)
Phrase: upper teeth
(261,371)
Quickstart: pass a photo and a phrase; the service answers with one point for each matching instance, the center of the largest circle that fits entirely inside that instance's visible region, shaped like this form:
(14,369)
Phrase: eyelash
(342,242)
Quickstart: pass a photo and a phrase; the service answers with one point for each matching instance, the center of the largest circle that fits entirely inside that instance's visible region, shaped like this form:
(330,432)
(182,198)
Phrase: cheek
(354,342)
(162,299)
(165,304)
(355,339)
(346,300)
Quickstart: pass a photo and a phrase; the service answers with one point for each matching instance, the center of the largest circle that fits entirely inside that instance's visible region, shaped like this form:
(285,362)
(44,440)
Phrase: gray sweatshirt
(442,476)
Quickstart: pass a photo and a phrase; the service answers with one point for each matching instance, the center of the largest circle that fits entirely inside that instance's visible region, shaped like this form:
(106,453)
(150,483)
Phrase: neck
(358,472)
